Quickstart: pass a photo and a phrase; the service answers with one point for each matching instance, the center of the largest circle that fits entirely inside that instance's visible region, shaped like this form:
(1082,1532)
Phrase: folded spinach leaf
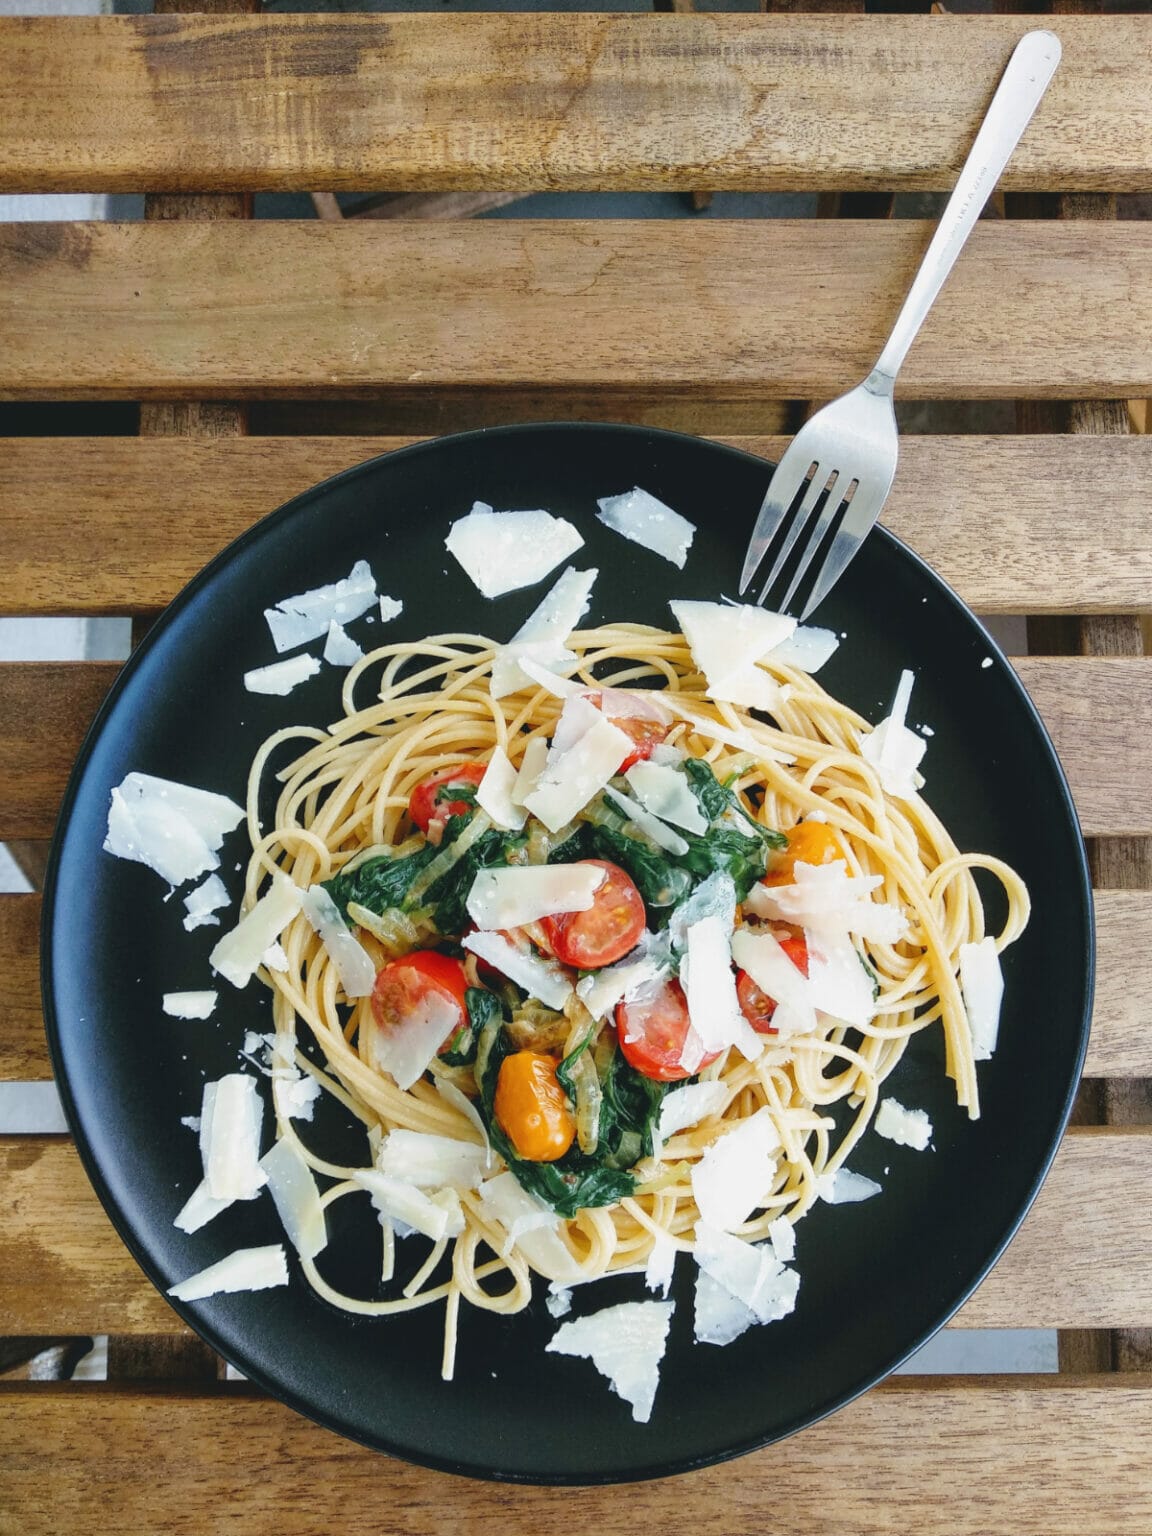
(482,1007)
(381,882)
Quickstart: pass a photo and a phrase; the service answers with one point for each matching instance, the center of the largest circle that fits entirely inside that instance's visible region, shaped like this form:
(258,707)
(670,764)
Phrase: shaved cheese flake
(509,898)
(710,988)
(282,676)
(666,793)
(549,677)
(718,1316)
(354,965)
(774,972)
(294,1094)
(894,750)
(436,1216)
(713,897)
(390,608)
(231,1115)
(494,792)
(633,704)
(541,637)
(200,1208)
(639,516)
(203,900)
(540,978)
(407,1052)
(824,898)
(505,1201)
(531,767)
(906,1127)
(502,551)
(689,1105)
(172,828)
(661,835)
(585,754)
(735,1174)
(247,1269)
(189,1005)
(806,648)
(461,1102)
(600,991)
(626,1344)
(661,1263)
(845,1188)
(293,1189)
(240,951)
(340,650)
(838,984)
(750,1272)
(431,1162)
(274,958)
(982,983)
(726,641)
(782,1236)
(296,620)
(558,1303)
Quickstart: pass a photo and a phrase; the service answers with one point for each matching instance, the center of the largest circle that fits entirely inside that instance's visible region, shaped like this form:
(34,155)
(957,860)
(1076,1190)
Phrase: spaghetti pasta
(410,710)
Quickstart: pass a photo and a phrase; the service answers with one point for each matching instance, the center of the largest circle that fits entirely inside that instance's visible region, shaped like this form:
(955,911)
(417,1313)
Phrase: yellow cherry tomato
(809,842)
(532,1107)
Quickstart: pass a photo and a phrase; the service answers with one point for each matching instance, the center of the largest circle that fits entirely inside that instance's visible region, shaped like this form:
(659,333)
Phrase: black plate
(877,1278)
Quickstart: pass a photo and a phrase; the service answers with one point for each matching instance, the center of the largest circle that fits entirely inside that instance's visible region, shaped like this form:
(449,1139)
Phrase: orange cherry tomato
(809,842)
(610,927)
(756,1006)
(432,800)
(651,1031)
(532,1107)
(403,985)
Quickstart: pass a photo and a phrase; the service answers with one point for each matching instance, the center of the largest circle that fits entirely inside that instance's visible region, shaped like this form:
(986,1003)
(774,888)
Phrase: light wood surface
(492,102)
(944,1456)
(63,1268)
(1098,711)
(1066,517)
(231,309)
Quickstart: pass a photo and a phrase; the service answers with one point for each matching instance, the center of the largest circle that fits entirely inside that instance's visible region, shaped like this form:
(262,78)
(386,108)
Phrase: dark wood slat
(535,102)
(45,709)
(280,309)
(23,1048)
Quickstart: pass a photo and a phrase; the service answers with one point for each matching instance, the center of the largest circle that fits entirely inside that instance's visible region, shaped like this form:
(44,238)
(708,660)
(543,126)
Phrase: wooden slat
(1067,518)
(45,709)
(1080,1260)
(286,309)
(533,102)
(1120,1046)
(1098,710)
(1097,713)
(1059,1456)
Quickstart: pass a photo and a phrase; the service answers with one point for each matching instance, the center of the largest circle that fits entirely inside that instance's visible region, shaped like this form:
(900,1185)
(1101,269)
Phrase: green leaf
(448,895)
(462,791)
(628,1113)
(483,1008)
(379,883)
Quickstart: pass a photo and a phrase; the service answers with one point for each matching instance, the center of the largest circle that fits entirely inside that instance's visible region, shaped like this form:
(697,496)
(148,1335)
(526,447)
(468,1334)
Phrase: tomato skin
(610,927)
(809,842)
(532,1107)
(423,806)
(660,1025)
(646,734)
(402,984)
(756,1006)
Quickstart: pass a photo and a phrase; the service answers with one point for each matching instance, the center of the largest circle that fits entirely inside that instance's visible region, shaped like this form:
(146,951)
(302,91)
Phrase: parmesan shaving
(247,1269)
(982,983)
(297,1200)
(172,828)
(340,650)
(639,516)
(189,1005)
(282,676)
(203,901)
(542,635)
(540,978)
(735,1174)
(353,963)
(626,1344)
(502,551)
(726,641)
(906,1127)
(495,790)
(509,898)
(241,951)
(296,620)
(894,750)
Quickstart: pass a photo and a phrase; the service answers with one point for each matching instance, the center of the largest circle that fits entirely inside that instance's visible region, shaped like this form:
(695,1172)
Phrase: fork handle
(1023,83)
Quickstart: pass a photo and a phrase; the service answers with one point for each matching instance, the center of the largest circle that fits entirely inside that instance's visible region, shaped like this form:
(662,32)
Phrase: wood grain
(23,1048)
(281,309)
(45,709)
(1098,711)
(536,102)
(1066,517)
(63,1269)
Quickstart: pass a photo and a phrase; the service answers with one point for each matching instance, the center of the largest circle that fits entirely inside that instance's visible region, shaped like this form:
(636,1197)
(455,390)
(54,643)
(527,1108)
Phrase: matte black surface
(877,1278)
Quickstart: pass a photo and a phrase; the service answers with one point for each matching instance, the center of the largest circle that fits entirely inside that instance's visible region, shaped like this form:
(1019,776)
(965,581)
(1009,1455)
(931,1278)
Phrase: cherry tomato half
(532,1107)
(646,734)
(610,927)
(652,1030)
(432,800)
(809,842)
(403,985)
(756,1006)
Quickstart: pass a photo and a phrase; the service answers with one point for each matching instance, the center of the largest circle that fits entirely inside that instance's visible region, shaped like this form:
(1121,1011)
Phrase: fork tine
(815,539)
(796,528)
(863,510)
(787,478)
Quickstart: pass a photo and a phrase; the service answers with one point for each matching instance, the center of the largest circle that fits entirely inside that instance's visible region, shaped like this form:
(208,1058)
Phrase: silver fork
(848,449)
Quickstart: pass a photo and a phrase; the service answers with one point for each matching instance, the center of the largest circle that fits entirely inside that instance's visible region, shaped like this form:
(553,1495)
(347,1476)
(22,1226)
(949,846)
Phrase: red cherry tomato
(610,927)
(402,985)
(432,800)
(646,734)
(652,1031)
(756,1006)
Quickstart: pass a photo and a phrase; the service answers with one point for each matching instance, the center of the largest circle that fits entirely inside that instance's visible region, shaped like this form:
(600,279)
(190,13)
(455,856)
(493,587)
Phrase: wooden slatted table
(394,329)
